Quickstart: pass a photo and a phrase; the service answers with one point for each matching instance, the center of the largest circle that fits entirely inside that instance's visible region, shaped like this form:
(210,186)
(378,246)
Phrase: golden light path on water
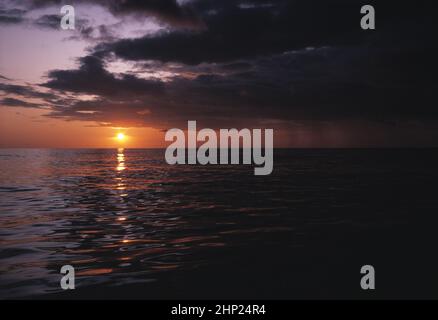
(120,184)
(120,160)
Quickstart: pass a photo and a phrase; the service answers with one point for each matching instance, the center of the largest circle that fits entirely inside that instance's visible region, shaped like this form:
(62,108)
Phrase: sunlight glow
(120,136)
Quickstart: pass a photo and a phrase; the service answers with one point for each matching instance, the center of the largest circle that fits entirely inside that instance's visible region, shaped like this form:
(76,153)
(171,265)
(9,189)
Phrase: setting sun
(120,136)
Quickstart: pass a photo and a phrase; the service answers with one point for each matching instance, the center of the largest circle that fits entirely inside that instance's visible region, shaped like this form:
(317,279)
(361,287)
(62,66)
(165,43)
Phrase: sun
(120,136)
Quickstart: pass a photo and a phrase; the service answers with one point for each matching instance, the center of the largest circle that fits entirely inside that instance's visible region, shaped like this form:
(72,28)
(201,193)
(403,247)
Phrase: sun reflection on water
(120,184)
(120,160)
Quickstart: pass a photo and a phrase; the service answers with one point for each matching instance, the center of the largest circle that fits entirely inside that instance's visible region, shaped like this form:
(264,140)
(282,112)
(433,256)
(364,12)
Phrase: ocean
(133,226)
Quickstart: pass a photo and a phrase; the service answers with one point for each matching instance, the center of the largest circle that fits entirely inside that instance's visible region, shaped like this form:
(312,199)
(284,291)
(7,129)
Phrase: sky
(302,67)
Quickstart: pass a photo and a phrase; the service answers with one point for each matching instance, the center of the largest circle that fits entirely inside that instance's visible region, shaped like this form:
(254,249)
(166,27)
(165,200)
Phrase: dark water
(135,227)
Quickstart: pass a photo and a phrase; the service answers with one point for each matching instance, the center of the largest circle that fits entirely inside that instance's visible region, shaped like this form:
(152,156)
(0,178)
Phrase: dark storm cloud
(247,29)
(265,62)
(234,31)
(12,102)
(25,91)
(326,84)
(167,11)
(11,16)
(50,21)
(83,28)
(170,11)
(92,78)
